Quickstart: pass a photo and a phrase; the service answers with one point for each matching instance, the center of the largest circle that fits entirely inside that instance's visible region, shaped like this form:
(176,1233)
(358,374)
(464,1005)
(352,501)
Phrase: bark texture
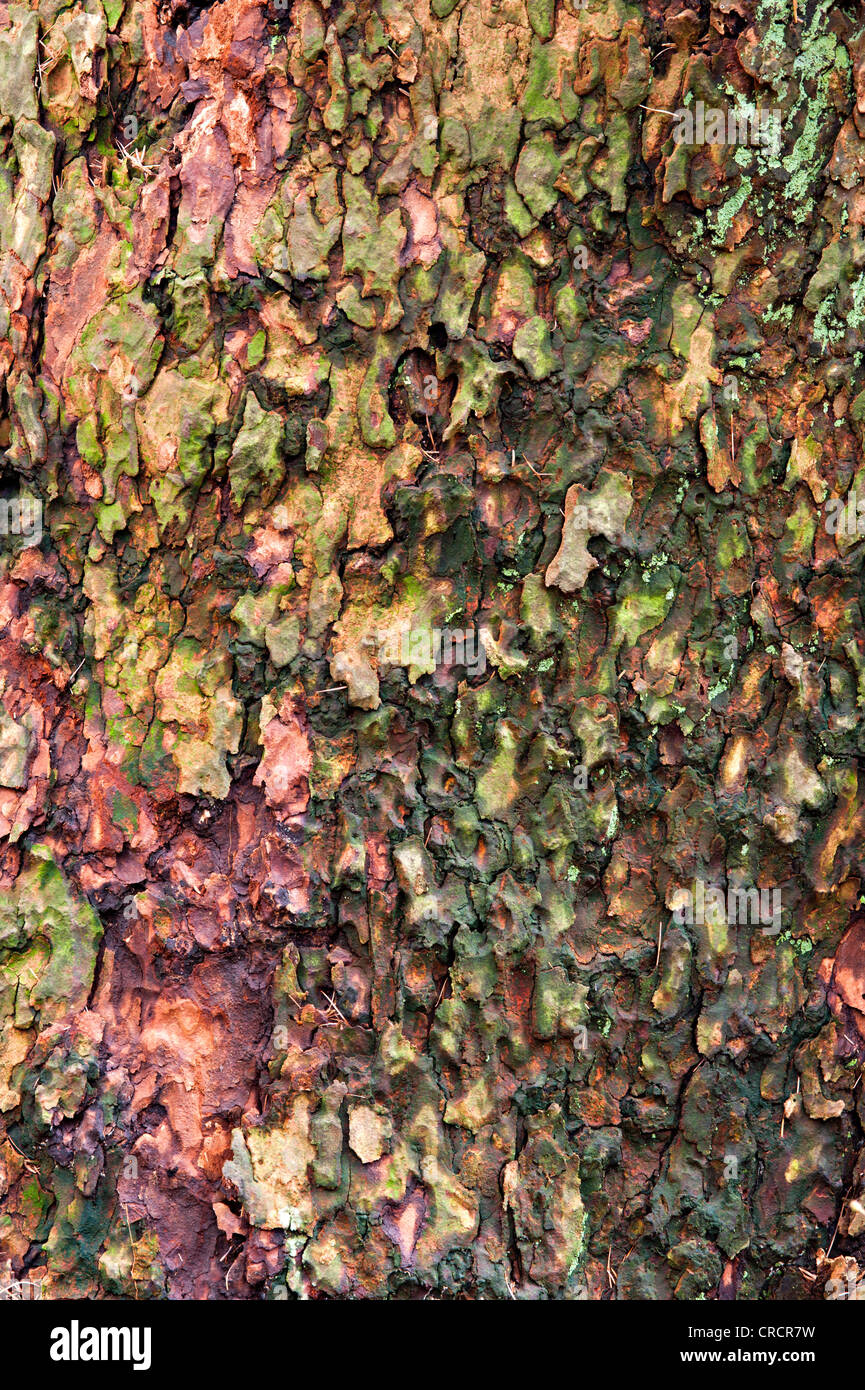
(440,441)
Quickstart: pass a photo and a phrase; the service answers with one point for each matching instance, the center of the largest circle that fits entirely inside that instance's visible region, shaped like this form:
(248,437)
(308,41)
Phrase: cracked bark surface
(327,970)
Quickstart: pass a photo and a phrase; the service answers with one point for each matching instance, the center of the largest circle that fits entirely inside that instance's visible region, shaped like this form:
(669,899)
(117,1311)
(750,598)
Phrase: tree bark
(432,656)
